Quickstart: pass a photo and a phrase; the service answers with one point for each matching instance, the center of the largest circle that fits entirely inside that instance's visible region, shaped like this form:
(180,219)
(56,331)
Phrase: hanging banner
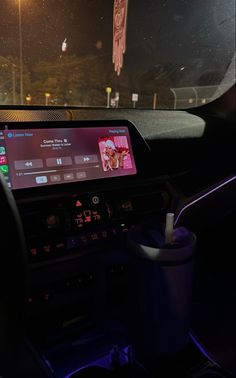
(120,15)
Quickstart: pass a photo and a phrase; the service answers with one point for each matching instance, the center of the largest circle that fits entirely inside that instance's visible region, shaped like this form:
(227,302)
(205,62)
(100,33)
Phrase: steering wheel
(12,280)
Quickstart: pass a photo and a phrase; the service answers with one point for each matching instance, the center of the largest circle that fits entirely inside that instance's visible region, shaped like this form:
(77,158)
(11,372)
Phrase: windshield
(116,53)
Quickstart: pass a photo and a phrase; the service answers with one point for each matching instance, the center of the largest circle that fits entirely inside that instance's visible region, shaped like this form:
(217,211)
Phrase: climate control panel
(77,224)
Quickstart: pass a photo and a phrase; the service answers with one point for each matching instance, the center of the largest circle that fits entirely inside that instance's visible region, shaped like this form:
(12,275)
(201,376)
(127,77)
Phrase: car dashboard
(78,205)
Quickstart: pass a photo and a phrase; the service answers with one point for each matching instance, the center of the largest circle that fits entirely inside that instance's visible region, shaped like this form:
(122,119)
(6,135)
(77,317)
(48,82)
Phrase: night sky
(45,24)
(197,35)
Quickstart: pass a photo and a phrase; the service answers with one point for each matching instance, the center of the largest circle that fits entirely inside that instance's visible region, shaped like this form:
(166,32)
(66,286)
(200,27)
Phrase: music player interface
(38,157)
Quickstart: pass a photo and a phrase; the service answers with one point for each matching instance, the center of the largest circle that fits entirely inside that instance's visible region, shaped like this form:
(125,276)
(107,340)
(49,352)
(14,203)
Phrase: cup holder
(91,372)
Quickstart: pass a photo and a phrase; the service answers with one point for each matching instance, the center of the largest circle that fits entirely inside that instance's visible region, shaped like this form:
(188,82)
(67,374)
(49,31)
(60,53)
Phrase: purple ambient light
(202,197)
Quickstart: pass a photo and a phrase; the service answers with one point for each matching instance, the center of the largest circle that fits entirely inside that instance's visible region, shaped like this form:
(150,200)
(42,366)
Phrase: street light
(47,97)
(28,99)
(108,91)
(21,54)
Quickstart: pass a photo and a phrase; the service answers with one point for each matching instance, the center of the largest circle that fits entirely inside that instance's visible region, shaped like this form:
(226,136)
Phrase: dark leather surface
(12,280)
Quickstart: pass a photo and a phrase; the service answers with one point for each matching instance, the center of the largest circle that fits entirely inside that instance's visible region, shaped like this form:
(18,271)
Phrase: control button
(59,161)
(33,251)
(2,150)
(41,179)
(47,295)
(53,221)
(124,227)
(87,216)
(4,169)
(3,160)
(60,246)
(55,178)
(95,200)
(126,206)
(29,300)
(79,220)
(81,175)
(80,281)
(104,234)
(78,203)
(94,236)
(68,176)
(96,216)
(28,164)
(86,159)
(47,248)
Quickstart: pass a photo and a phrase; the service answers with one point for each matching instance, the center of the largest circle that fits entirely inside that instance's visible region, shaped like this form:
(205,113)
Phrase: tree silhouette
(10,79)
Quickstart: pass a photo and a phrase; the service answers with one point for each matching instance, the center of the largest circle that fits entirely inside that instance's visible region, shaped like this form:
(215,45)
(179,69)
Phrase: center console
(82,189)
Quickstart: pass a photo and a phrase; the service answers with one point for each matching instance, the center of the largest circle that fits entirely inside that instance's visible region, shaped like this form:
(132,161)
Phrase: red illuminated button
(78,203)
(34,251)
(96,215)
(79,220)
(87,216)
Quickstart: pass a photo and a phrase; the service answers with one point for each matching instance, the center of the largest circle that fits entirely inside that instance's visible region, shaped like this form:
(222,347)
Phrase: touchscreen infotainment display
(39,157)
